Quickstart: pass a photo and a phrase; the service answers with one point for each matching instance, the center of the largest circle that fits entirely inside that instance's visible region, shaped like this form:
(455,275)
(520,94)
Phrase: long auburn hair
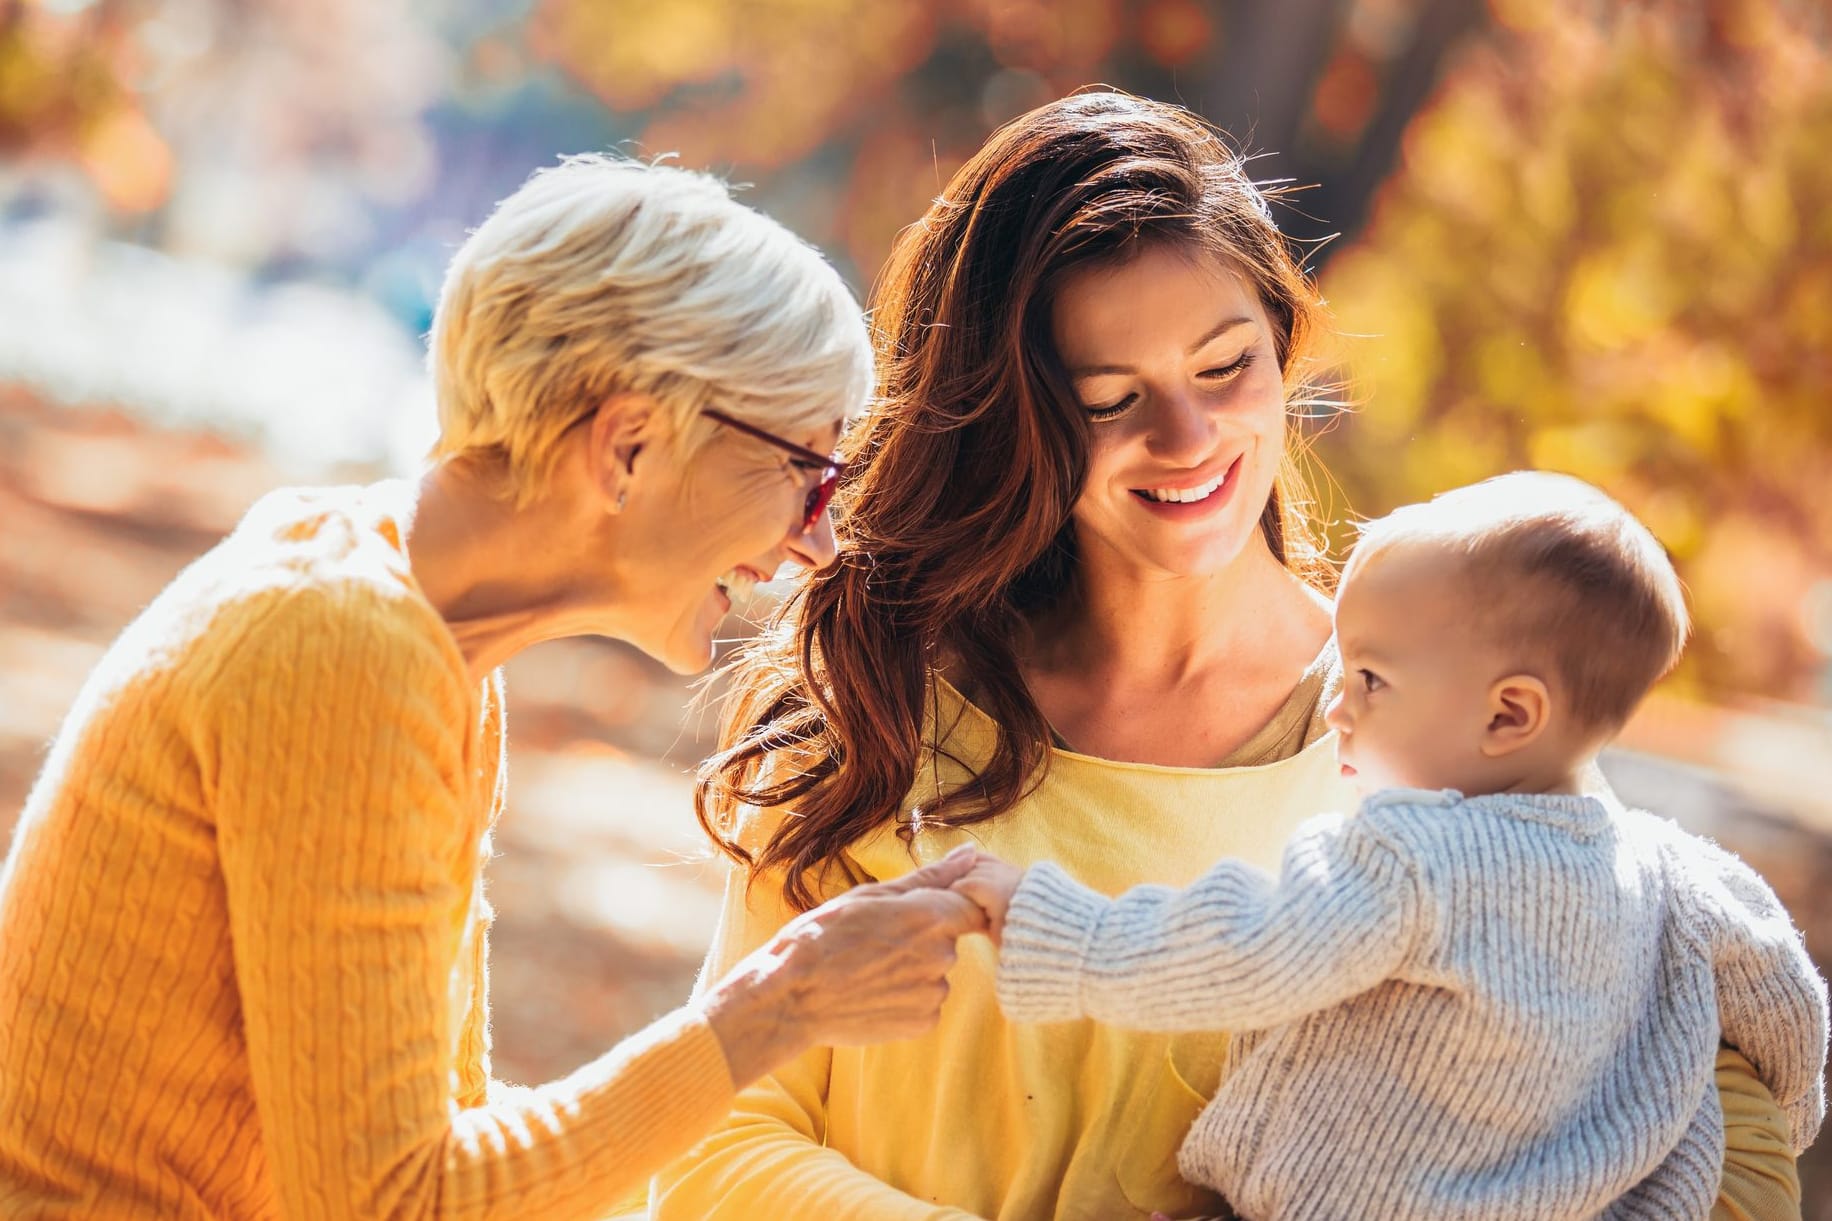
(953,520)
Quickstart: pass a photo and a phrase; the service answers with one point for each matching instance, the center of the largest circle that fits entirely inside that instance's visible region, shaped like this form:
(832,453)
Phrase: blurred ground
(604,889)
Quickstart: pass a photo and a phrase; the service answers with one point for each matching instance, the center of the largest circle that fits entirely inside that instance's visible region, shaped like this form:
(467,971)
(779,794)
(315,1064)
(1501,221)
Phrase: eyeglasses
(800,456)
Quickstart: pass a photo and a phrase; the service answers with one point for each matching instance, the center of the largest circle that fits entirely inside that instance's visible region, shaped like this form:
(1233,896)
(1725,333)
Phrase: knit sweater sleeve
(770,1158)
(1771,999)
(332,740)
(1238,949)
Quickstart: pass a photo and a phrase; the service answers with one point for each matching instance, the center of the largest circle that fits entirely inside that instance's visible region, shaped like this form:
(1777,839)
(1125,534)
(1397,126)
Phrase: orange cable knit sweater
(242,925)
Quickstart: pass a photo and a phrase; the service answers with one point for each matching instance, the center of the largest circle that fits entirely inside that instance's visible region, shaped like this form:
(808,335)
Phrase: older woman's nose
(814,548)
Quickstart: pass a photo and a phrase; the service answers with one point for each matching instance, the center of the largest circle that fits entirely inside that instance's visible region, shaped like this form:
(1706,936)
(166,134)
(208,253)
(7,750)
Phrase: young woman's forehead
(1109,314)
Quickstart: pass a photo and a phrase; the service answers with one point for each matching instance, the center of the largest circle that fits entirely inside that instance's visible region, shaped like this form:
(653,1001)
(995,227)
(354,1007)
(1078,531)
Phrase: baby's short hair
(603,275)
(1563,570)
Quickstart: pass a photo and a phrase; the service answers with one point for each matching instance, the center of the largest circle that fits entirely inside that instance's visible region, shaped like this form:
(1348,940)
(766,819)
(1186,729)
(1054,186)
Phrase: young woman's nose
(1182,428)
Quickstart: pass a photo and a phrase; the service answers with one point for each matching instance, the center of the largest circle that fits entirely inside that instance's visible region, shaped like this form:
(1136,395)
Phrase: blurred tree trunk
(1259,82)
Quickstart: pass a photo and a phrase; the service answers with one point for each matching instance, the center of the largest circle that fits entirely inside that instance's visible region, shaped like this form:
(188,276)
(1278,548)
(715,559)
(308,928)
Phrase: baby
(1489,993)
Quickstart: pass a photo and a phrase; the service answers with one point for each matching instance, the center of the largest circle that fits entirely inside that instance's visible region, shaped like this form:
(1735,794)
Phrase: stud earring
(623,499)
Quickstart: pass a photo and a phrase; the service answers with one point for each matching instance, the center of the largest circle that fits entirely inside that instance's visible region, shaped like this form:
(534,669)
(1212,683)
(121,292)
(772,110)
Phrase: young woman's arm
(1761,1181)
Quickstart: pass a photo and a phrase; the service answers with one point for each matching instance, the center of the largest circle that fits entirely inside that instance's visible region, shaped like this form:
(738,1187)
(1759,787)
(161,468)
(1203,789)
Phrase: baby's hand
(991,884)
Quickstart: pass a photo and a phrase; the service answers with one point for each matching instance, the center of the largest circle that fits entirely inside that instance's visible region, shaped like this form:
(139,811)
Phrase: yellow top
(987,1118)
(244,924)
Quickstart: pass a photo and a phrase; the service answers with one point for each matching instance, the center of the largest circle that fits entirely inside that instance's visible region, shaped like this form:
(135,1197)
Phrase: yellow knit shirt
(242,923)
(990,1118)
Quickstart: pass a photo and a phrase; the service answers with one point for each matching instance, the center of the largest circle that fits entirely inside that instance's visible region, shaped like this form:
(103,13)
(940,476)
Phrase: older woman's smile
(737,584)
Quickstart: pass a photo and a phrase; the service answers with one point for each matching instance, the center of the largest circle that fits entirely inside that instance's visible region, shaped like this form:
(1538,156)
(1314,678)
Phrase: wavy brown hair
(953,520)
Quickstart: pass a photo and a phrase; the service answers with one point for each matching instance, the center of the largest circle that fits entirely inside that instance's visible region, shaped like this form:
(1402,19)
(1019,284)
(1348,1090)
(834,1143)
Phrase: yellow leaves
(633,53)
(57,75)
(1392,340)
(750,84)
(1609,251)
(1616,298)
(61,92)
(759,83)
(128,160)
(1597,450)
(1450,154)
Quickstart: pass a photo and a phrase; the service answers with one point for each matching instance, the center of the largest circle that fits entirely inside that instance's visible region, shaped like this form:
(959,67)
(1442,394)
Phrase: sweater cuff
(671,1077)
(1043,949)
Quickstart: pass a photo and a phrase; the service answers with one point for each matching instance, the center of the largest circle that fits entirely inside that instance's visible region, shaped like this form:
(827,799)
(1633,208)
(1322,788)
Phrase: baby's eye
(1371,681)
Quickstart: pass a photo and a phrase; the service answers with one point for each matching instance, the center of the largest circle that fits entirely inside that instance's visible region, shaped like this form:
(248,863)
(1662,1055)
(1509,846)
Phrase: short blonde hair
(1563,571)
(602,276)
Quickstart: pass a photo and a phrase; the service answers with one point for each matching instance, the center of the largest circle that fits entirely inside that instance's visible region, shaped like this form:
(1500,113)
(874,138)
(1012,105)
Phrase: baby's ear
(1519,708)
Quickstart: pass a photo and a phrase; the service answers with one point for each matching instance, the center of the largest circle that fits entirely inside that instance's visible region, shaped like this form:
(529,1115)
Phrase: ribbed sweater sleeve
(770,1157)
(1238,949)
(333,744)
(1771,999)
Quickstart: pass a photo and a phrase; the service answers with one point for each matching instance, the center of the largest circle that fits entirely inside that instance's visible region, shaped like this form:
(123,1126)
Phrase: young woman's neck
(1143,629)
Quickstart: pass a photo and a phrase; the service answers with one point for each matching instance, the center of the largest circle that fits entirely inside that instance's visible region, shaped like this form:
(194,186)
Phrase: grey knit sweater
(1460,1008)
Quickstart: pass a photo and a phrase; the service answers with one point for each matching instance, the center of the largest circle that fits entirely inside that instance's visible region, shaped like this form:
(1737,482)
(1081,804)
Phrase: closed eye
(1113,410)
(1226,371)
(1221,373)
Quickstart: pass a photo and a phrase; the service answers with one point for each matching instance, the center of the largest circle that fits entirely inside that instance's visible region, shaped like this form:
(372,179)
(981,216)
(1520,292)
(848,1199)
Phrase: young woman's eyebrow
(1221,329)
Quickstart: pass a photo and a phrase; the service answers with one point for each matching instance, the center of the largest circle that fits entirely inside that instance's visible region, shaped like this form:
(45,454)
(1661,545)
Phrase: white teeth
(1185,496)
(737,584)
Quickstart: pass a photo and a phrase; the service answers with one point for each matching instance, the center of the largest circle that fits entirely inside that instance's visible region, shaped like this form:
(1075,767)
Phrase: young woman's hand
(991,884)
(866,967)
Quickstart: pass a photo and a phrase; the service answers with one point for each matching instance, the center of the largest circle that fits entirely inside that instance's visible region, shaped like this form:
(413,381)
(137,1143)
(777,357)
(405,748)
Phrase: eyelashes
(1222,373)
(1113,410)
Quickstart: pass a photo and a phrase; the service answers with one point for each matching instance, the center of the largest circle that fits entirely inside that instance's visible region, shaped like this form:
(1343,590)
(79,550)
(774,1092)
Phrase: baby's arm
(1771,1000)
(1238,949)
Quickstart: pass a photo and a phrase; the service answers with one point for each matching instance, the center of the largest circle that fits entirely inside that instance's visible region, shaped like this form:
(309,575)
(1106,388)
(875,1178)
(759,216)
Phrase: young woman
(1077,610)
(243,916)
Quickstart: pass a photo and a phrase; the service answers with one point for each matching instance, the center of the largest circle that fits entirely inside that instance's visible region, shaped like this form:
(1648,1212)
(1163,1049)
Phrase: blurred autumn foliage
(1608,250)
(1577,234)
(1594,235)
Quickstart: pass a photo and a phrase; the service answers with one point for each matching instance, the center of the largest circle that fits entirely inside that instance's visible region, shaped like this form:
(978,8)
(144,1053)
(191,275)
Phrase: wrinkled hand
(990,884)
(866,967)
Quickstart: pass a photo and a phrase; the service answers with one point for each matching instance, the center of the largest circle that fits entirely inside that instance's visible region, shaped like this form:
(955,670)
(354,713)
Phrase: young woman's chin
(1205,554)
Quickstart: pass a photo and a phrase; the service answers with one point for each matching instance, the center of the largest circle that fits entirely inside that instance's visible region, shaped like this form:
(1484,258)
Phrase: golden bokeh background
(1578,234)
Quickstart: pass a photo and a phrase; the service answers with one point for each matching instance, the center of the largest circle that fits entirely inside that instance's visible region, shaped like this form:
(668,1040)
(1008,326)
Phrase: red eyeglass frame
(830,466)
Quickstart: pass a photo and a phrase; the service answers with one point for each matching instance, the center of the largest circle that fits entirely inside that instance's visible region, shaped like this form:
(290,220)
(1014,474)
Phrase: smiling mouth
(1188,496)
(737,584)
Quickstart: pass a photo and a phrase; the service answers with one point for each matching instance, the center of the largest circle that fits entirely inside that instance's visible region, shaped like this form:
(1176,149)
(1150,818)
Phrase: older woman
(243,919)
(1076,612)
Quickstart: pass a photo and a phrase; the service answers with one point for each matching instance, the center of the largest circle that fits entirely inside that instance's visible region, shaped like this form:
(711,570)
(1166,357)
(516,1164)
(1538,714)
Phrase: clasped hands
(868,966)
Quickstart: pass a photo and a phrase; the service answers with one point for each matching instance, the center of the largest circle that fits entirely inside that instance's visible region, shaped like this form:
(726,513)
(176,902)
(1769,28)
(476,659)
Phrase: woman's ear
(1519,708)
(622,428)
